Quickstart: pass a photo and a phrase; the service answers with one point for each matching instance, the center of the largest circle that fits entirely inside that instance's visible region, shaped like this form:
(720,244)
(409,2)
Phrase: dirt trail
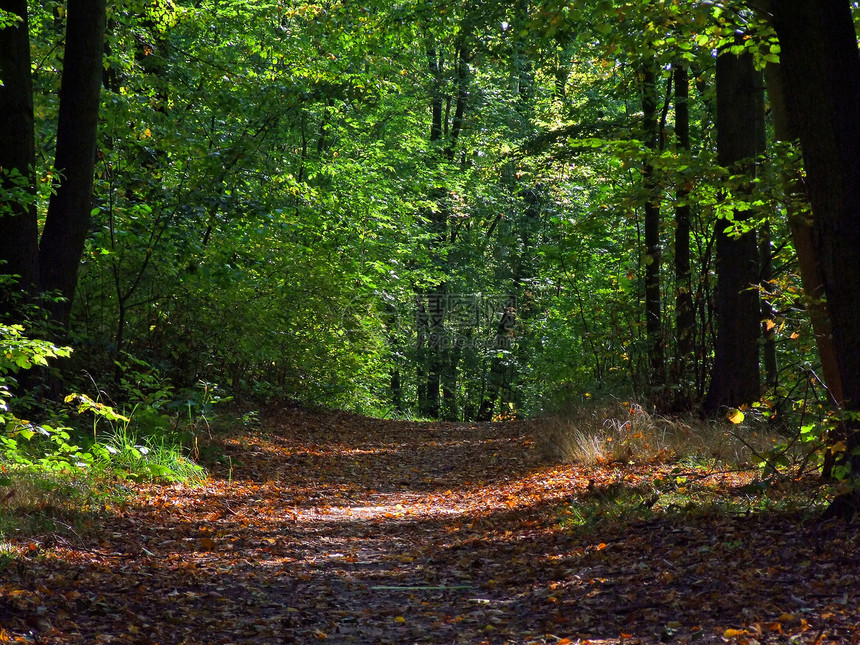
(332,527)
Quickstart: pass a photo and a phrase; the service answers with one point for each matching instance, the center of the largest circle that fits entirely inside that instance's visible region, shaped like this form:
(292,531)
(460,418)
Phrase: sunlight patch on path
(473,500)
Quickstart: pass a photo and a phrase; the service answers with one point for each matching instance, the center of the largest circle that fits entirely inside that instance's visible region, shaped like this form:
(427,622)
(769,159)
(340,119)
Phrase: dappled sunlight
(414,531)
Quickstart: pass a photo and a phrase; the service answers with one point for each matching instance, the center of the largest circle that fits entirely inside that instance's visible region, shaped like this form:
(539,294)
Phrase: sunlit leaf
(735,416)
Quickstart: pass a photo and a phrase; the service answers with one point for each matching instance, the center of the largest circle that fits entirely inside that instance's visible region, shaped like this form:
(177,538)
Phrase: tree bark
(462,98)
(502,341)
(802,235)
(18,226)
(436,311)
(735,379)
(821,72)
(768,313)
(68,219)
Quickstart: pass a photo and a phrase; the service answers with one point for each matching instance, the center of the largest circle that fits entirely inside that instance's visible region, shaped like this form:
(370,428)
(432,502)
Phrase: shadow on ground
(333,527)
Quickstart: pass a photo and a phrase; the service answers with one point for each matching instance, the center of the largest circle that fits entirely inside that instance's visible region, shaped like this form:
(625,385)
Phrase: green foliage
(271,206)
(8,19)
(52,448)
(126,456)
(118,454)
(18,352)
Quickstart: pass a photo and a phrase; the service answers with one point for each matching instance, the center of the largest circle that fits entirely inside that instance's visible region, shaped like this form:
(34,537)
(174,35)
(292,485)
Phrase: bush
(26,446)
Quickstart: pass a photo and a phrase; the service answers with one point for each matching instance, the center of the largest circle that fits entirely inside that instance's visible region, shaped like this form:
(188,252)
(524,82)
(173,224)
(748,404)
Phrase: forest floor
(332,527)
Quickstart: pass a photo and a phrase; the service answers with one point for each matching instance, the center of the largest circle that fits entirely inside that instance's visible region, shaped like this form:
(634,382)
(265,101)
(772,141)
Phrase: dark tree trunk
(462,97)
(436,62)
(805,246)
(436,309)
(450,411)
(685,319)
(822,110)
(429,371)
(18,228)
(441,363)
(496,378)
(821,71)
(421,338)
(68,220)
(396,391)
(736,374)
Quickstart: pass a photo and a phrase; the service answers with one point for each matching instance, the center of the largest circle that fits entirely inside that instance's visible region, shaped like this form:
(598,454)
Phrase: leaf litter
(334,527)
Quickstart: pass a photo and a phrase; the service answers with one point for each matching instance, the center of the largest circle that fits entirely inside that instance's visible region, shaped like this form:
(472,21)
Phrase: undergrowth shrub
(113,446)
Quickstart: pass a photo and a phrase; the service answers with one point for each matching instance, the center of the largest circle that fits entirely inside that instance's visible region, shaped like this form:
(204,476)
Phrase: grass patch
(626,433)
(151,458)
(34,504)
(676,494)
(684,468)
(50,484)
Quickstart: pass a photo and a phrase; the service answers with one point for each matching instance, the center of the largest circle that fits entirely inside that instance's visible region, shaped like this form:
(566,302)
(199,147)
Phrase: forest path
(334,527)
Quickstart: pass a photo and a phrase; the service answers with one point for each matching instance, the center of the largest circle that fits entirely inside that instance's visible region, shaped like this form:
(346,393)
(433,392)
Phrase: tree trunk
(502,341)
(441,362)
(450,406)
(68,219)
(18,228)
(436,310)
(765,258)
(421,340)
(462,97)
(396,391)
(802,235)
(821,71)
(735,379)
(653,251)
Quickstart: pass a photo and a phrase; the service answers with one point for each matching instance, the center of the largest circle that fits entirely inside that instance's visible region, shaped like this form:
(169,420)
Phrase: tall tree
(821,71)
(68,220)
(18,228)
(51,263)
(802,234)
(735,376)
(433,341)
(653,247)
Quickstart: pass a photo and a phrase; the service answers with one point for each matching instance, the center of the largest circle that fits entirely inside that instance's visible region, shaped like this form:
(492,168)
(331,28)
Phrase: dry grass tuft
(625,432)
(34,503)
